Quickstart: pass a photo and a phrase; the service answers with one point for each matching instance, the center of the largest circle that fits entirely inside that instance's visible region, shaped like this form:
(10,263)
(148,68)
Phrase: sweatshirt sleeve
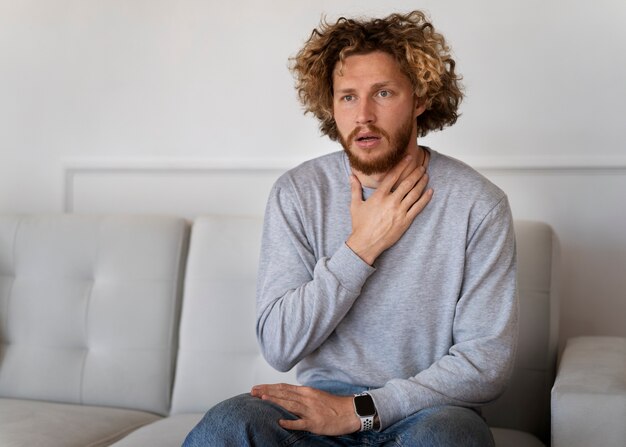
(479,363)
(300,300)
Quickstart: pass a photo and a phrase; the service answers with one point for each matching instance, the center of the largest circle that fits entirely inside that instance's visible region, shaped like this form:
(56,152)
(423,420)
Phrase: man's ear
(420,106)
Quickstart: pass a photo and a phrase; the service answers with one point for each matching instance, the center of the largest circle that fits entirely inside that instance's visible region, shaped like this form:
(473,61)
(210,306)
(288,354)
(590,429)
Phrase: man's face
(375,108)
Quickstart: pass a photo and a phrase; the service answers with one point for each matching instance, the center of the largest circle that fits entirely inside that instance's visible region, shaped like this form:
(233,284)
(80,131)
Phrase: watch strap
(367,423)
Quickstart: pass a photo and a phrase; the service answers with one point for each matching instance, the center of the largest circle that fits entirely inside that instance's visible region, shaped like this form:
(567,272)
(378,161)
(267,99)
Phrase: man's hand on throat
(380,221)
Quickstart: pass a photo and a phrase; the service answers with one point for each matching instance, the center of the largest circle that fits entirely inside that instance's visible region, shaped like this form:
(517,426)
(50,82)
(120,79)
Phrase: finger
(391,178)
(297,424)
(281,391)
(273,389)
(409,169)
(294,407)
(418,206)
(415,192)
(259,390)
(409,183)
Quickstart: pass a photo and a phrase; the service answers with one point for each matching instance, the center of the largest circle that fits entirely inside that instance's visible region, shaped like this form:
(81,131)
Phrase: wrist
(353,422)
(366,252)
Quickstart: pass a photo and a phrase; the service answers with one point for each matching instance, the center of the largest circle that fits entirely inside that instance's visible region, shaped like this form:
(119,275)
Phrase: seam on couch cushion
(108,440)
(176,312)
(5,323)
(87,346)
(88,298)
(13,269)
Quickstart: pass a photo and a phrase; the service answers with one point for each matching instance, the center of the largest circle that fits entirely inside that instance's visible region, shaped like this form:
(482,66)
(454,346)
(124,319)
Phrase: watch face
(364,405)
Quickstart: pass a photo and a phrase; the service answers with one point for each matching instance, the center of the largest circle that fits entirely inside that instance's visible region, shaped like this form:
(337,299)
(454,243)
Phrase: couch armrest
(589,394)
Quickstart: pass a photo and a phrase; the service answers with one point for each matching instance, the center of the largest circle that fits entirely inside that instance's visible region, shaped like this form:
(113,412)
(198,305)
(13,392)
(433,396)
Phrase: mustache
(370,128)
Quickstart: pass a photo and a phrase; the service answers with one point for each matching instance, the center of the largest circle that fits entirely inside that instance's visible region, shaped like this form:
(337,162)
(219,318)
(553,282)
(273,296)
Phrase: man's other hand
(319,412)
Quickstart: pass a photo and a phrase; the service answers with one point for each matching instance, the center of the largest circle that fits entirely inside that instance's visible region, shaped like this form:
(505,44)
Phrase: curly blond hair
(421,52)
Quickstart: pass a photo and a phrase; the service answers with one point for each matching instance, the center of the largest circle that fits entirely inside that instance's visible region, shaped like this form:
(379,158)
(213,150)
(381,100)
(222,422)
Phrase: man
(387,271)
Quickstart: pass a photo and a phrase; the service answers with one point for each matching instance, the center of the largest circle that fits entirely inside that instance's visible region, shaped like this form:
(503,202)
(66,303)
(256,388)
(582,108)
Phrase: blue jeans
(248,421)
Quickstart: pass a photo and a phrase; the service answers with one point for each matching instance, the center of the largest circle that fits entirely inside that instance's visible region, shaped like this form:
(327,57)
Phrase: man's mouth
(367,137)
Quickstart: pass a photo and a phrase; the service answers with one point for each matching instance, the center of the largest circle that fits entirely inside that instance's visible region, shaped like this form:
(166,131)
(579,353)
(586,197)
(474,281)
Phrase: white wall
(188,107)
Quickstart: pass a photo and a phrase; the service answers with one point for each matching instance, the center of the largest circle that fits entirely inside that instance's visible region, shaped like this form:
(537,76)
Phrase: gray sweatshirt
(433,322)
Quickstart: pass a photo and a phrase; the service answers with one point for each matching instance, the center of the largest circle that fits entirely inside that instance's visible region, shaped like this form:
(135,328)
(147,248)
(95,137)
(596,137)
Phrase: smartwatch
(365,409)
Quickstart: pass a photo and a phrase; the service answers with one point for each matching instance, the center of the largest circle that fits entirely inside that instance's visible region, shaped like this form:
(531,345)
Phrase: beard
(398,146)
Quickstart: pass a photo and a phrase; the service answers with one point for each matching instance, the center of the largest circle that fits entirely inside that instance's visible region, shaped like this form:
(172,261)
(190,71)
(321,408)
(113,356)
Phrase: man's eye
(384,93)
(348,98)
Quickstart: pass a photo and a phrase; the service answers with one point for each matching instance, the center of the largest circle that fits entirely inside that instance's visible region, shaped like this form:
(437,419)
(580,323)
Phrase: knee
(234,419)
(452,426)
(233,412)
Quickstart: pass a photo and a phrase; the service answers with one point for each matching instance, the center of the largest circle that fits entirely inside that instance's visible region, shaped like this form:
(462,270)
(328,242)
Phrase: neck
(374,180)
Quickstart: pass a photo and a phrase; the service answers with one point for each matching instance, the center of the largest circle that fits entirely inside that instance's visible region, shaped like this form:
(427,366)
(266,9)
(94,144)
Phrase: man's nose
(365,113)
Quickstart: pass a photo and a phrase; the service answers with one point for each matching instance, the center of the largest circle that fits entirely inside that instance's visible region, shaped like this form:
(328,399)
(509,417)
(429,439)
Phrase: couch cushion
(171,432)
(35,423)
(88,308)
(218,355)
(589,395)
(168,432)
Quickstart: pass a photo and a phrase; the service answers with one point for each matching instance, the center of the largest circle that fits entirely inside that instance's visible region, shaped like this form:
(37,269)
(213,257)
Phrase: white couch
(589,394)
(123,330)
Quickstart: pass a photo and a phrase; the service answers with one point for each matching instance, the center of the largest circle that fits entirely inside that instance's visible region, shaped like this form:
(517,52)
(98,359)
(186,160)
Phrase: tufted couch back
(89,308)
